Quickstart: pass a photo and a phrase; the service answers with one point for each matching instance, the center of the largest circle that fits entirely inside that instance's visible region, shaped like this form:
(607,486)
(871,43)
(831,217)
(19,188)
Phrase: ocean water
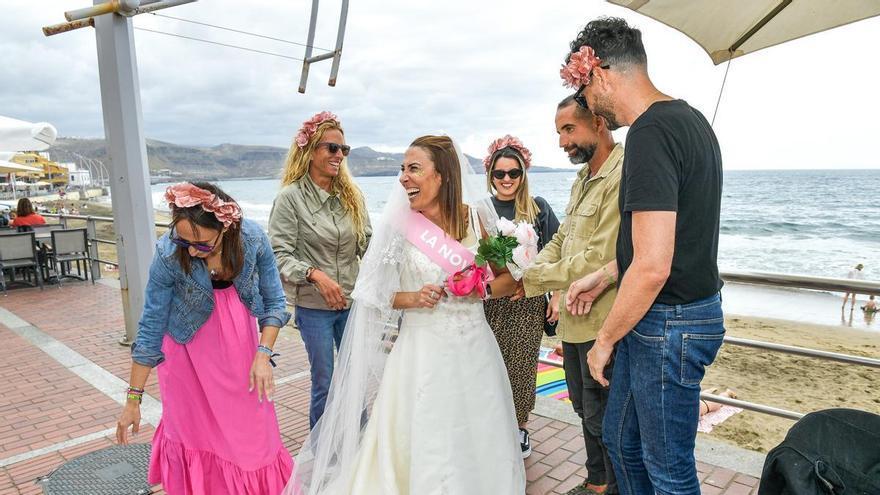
(814,222)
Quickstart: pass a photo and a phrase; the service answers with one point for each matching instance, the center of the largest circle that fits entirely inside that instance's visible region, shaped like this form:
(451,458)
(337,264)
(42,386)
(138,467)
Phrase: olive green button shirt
(586,240)
(309,227)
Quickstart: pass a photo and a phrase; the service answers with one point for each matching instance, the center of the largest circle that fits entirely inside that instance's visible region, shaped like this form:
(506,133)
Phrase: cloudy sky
(472,69)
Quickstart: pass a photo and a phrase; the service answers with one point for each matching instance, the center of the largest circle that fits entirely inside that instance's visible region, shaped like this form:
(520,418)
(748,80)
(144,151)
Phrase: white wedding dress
(443,422)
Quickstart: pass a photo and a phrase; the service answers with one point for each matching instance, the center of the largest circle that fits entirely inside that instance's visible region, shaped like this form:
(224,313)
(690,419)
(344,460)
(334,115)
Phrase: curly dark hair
(613,40)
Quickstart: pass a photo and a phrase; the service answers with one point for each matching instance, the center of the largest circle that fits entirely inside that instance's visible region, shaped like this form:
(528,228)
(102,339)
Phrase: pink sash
(436,244)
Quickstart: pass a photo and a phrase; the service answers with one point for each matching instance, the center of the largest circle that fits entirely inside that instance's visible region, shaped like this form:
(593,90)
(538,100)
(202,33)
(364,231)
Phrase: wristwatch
(488,290)
(309,272)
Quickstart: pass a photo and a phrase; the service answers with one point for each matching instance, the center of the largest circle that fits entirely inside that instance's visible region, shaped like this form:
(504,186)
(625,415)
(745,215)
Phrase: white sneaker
(524,443)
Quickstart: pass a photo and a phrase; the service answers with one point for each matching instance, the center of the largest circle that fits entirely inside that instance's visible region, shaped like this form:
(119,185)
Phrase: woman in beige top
(319,228)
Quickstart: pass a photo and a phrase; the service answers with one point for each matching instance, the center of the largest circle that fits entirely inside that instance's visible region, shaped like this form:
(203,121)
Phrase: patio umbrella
(729,29)
(18,135)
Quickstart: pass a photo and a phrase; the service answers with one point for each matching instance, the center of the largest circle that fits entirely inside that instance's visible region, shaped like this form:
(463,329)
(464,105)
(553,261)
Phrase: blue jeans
(653,408)
(320,329)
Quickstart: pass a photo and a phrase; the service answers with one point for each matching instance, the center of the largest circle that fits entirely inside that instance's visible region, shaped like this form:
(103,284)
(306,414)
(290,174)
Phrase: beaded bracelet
(134,393)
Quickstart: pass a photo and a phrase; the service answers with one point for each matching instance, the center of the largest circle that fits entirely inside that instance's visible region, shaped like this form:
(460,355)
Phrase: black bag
(831,452)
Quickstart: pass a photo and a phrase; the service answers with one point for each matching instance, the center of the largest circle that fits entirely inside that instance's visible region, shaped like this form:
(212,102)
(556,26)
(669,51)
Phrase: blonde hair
(524,205)
(296,166)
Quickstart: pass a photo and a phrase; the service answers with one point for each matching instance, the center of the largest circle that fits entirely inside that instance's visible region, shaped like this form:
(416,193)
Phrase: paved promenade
(63,378)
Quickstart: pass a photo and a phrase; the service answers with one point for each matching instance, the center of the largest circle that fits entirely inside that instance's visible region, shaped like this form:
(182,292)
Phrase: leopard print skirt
(518,327)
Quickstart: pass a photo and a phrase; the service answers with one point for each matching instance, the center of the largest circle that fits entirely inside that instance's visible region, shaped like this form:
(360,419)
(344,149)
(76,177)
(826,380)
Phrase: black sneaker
(524,443)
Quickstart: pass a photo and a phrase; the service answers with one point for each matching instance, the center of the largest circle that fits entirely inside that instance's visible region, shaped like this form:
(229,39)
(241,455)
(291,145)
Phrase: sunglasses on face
(513,174)
(198,246)
(334,148)
(579,97)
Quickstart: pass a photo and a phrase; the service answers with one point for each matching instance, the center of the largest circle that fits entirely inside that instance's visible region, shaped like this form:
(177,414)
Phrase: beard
(604,109)
(583,154)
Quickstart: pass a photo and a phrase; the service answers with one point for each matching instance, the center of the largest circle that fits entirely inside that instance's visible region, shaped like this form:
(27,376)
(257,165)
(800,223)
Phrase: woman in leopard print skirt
(518,325)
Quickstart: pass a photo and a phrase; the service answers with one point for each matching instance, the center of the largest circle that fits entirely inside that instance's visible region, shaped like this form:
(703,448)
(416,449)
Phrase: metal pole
(751,406)
(311,41)
(130,184)
(92,233)
(802,351)
(343,17)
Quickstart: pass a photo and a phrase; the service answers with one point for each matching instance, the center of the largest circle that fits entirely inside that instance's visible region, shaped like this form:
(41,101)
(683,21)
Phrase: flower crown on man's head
(186,195)
(508,141)
(576,72)
(310,126)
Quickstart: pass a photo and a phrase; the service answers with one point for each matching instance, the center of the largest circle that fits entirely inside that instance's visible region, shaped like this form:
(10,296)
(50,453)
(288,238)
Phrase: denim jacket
(180,304)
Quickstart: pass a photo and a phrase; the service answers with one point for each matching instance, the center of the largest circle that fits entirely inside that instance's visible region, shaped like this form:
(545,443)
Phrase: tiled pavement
(52,411)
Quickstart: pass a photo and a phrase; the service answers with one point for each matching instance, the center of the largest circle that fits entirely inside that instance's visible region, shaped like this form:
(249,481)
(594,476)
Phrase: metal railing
(92,237)
(756,278)
(769,346)
(792,282)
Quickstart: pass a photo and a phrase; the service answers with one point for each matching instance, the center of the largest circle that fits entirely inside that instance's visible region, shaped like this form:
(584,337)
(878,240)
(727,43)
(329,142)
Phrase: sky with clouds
(472,69)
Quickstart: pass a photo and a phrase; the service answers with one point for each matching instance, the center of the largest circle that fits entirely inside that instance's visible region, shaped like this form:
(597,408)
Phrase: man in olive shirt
(584,243)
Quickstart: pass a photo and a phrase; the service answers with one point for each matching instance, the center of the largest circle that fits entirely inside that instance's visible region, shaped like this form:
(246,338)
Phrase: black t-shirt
(546,224)
(673,163)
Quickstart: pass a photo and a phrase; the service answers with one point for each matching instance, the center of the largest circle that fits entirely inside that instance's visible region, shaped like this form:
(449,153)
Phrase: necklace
(213,272)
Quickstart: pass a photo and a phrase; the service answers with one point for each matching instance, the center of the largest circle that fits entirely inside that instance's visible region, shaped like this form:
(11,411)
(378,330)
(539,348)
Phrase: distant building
(79,177)
(53,173)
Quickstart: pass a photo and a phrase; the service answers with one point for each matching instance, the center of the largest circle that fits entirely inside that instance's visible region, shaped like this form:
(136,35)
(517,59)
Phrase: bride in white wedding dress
(429,413)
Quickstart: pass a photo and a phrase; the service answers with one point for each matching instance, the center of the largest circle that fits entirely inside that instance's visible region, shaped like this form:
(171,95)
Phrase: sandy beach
(791,382)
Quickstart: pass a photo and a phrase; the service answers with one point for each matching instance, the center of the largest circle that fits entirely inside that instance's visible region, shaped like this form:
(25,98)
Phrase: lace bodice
(417,270)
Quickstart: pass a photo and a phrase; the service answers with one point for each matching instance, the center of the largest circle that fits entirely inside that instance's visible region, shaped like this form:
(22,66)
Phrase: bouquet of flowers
(515,246)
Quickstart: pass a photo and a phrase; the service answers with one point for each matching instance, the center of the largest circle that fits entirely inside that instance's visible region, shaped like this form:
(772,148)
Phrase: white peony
(505,226)
(524,255)
(525,234)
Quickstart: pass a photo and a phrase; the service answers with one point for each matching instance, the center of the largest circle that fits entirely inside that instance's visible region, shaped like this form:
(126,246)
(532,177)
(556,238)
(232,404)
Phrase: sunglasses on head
(513,174)
(334,148)
(198,246)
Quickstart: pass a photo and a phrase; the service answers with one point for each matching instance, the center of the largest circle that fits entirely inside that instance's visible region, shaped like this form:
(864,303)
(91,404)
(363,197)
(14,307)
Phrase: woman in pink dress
(213,282)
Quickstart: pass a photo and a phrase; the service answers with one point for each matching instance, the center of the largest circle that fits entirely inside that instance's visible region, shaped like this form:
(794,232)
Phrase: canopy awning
(728,29)
(15,168)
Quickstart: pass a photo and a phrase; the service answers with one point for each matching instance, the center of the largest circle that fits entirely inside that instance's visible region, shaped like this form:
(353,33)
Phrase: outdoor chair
(19,252)
(47,227)
(68,246)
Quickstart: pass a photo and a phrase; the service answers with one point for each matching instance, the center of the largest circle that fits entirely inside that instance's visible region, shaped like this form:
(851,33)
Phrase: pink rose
(581,63)
(508,141)
(309,127)
(186,195)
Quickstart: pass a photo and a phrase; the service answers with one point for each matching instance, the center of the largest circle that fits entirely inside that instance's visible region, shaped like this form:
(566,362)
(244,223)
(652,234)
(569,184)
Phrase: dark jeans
(653,409)
(320,330)
(589,398)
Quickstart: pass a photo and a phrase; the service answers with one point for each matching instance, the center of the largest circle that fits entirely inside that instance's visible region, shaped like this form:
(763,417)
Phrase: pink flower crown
(508,141)
(310,126)
(577,72)
(186,195)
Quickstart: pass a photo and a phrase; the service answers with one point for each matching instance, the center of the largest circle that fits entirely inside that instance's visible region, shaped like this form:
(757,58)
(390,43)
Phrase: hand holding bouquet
(515,246)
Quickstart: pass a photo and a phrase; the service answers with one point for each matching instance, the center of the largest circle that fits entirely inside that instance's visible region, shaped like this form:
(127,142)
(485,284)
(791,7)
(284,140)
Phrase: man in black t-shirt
(666,321)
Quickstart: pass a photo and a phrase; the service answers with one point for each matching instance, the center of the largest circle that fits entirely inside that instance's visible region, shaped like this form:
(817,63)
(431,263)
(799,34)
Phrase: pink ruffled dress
(215,437)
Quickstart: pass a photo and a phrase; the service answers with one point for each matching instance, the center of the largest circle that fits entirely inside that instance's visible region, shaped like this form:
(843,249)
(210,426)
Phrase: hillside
(228,161)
